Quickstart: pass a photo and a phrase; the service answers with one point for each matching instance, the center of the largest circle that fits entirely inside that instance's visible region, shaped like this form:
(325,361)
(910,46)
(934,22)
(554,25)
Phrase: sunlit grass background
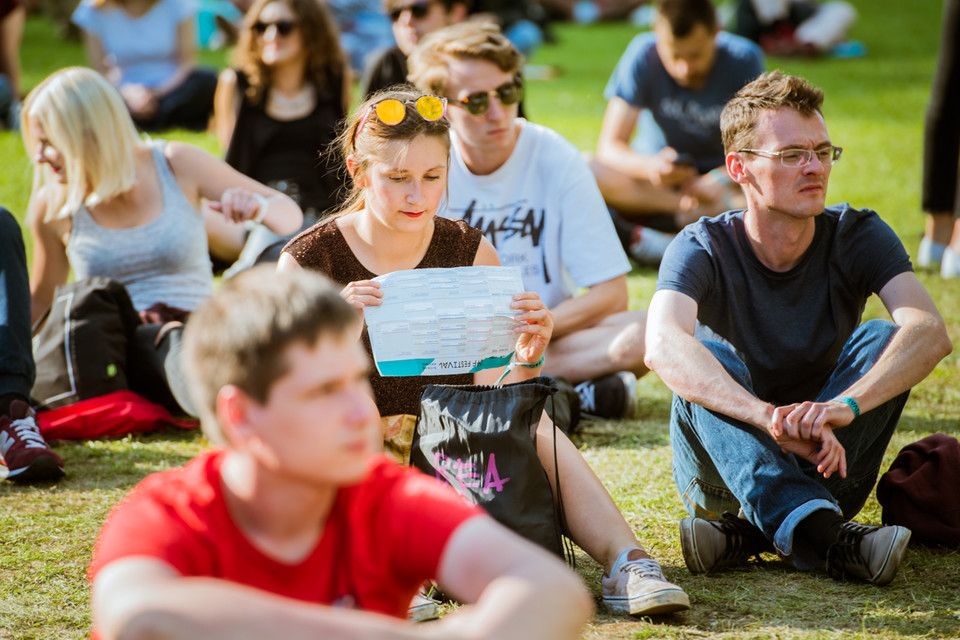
(874,109)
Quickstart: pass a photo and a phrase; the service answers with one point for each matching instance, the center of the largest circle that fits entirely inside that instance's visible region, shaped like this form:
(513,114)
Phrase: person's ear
(354,174)
(736,168)
(233,412)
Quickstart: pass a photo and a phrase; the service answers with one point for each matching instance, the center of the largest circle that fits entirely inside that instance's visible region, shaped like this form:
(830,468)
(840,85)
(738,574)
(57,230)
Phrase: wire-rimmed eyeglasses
(800,157)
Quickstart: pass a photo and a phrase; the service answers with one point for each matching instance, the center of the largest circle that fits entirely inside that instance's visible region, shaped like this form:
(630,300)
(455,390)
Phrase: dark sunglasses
(478,103)
(284,27)
(418,11)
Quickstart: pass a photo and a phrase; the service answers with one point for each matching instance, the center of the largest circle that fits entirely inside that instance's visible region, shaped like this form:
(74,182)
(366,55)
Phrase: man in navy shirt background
(784,401)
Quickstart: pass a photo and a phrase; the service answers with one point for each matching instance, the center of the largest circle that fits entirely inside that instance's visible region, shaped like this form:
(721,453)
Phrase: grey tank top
(165,260)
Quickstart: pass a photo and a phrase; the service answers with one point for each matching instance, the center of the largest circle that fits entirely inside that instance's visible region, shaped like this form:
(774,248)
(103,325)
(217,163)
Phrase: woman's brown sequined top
(323,248)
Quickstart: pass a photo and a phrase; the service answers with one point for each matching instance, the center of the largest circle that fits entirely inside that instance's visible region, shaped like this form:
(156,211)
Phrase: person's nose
(495,110)
(361,408)
(415,195)
(815,165)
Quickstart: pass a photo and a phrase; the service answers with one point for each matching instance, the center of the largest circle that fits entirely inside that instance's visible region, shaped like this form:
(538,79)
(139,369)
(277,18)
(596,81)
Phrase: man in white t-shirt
(534,197)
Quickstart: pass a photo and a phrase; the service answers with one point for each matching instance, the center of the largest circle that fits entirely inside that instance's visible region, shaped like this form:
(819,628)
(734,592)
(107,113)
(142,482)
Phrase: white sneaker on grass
(638,588)
(422,608)
(949,264)
(930,254)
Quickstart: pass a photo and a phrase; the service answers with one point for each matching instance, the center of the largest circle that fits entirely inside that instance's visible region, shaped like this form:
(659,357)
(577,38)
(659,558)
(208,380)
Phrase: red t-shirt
(382,540)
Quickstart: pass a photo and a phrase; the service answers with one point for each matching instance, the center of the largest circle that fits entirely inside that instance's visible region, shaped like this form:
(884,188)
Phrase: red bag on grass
(112,414)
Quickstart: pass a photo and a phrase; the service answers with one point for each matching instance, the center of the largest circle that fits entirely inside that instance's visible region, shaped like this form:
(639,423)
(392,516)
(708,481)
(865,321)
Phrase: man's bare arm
(518,590)
(915,349)
(614,151)
(144,598)
(586,310)
(689,368)
(693,373)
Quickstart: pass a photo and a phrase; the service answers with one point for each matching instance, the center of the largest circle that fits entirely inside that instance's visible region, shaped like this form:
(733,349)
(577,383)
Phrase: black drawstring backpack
(482,441)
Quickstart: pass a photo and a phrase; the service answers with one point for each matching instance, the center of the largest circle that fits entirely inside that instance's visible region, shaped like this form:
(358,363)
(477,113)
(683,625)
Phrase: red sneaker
(25,452)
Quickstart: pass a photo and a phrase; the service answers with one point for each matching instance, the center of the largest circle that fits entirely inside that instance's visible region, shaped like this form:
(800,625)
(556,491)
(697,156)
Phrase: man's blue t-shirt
(789,327)
(687,120)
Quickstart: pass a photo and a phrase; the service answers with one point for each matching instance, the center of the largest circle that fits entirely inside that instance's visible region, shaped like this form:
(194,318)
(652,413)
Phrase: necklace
(302,101)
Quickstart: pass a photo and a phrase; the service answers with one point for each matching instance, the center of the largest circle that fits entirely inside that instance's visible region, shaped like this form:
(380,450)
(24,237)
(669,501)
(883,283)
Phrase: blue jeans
(16,352)
(723,465)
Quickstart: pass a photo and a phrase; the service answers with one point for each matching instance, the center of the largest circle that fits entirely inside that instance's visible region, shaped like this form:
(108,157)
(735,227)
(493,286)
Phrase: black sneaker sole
(43,469)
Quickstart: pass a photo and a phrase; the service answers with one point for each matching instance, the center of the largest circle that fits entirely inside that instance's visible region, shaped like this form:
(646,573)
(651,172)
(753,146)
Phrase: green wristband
(850,402)
(535,365)
(513,363)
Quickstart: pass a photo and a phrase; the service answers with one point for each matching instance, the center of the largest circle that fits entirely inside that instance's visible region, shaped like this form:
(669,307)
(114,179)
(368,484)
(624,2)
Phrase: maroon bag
(921,491)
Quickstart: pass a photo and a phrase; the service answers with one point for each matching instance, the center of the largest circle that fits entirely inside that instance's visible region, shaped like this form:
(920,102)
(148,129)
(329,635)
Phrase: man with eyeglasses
(532,194)
(784,401)
(411,20)
(670,86)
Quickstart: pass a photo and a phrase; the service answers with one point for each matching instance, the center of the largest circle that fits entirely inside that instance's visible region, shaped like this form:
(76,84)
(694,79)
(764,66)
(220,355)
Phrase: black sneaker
(867,553)
(709,545)
(610,397)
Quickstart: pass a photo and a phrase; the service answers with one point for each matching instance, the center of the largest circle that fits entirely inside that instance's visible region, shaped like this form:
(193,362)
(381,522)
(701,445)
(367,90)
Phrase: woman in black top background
(276,113)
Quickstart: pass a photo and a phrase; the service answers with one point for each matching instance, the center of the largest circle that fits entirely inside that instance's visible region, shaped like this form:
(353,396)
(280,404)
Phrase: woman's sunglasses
(478,103)
(392,111)
(418,10)
(284,27)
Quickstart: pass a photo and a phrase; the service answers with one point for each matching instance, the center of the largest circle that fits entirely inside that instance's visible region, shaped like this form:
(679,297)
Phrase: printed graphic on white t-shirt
(542,212)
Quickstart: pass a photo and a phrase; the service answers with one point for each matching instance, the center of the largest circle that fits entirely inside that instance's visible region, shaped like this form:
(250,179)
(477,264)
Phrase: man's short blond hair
(470,40)
(769,92)
(242,334)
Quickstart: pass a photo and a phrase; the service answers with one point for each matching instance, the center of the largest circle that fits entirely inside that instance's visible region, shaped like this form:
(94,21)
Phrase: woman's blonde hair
(86,120)
(326,62)
(365,138)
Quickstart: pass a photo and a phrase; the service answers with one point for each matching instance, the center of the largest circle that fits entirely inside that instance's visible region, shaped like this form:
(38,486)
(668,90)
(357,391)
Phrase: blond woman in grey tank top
(106,202)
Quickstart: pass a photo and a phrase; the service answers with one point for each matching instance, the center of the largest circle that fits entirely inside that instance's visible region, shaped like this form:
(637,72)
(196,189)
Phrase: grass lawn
(874,109)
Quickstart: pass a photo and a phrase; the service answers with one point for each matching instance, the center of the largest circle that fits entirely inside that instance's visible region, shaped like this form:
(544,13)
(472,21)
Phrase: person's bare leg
(593,519)
(633,198)
(614,344)
(955,236)
(940,227)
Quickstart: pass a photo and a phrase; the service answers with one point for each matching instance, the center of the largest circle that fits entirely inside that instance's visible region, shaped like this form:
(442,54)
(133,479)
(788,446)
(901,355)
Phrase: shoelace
(743,539)
(845,552)
(644,567)
(587,392)
(26,430)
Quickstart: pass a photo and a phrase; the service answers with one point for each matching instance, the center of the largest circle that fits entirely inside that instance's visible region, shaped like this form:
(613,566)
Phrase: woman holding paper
(399,177)
(397,151)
